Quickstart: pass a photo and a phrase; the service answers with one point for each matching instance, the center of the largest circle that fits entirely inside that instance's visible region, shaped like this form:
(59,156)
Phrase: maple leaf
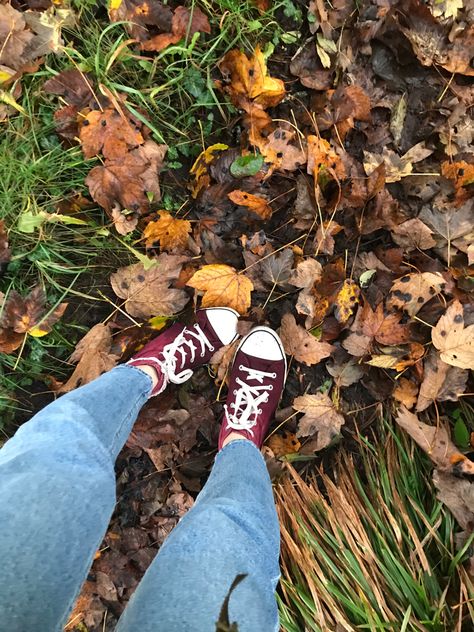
(246,81)
(14,37)
(254,203)
(300,344)
(185,22)
(26,316)
(396,167)
(283,444)
(223,286)
(109,132)
(171,233)
(74,85)
(452,227)
(320,416)
(412,291)
(346,373)
(441,382)
(413,235)
(435,441)
(148,292)
(279,151)
(323,162)
(454,341)
(462,174)
(93,357)
(306,273)
(370,325)
(346,104)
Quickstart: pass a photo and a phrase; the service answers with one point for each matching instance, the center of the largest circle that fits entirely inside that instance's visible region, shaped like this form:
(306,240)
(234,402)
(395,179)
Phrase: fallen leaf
(14,37)
(170,232)
(109,132)
(324,240)
(458,495)
(413,234)
(147,292)
(435,441)
(5,252)
(254,203)
(323,162)
(412,291)
(320,416)
(406,392)
(276,269)
(301,344)
(441,382)
(93,357)
(462,175)
(396,167)
(283,444)
(346,300)
(200,168)
(452,227)
(223,286)
(278,150)
(454,341)
(221,361)
(345,374)
(74,85)
(185,22)
(306,273)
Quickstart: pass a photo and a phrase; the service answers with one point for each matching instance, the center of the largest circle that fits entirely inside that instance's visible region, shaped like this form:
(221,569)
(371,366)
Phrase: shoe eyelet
(259,411)
(241,367)
(274,374)
(234,392)
(211,349)
(270,388)
(202,355)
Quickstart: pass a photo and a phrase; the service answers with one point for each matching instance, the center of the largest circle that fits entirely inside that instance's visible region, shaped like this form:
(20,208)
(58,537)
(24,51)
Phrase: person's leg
(57,493)
(57,482)
(232,529)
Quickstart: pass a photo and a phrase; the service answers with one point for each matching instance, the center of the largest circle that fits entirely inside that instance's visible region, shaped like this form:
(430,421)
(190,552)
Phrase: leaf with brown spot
(346,301)
(462,175)
(454,341)
(170,232)
(279,150)
(323,162)
(435,441)
(406,392)
(412,291)
(93,357)
(254,203)
(109,132)
(320,416)
(223,286)
(441,382)
(301,344)
(283,444)
(221,362)
(147,292)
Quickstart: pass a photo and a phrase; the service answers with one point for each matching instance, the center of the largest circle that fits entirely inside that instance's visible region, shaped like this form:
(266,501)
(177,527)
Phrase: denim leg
(57,493)
(232,529)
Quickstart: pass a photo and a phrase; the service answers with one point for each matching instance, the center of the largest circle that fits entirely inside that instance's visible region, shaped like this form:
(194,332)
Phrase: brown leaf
(462,174)
(185,22)
(93,357)
(14,37)
(5,252)
(435,441)
(320,416)
(306,273)
(170,232)
(396,167)
(454,341)
(324,241)
(300,343)
(109,132)
(405,392)
(412,235)
(254,203)
(223,286)
(441,382)
(323,162)
(283,444)
(278,150)
(147,292)
(412,291)
(346,373)
(458,496)
(74,85)
(221,361)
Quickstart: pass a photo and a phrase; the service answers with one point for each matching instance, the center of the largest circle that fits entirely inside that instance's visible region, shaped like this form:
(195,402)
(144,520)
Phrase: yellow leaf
(199,168)
(158,322)
(172,233)
(454,341)
(37,332)
(223,286)
(346,300)
(383,361)
(114,4)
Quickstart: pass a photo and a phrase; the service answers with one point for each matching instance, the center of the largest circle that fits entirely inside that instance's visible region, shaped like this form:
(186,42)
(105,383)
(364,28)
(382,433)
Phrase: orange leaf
(223,286)
(254,203)
(172,233)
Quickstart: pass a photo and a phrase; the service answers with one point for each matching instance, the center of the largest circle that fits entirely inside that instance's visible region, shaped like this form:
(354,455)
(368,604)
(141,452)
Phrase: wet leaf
(109,132)
(170,232)
(441,382)
(406,392)
(247,165)
(223,286)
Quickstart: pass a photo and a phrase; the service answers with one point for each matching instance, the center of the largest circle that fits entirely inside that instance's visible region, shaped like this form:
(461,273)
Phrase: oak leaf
(170,232)
(223,286)
(320,416)
(300,344)
(93,357)
(454,341)
(147,292)
(254,203)
(412,291)
(109,132)
(435,441)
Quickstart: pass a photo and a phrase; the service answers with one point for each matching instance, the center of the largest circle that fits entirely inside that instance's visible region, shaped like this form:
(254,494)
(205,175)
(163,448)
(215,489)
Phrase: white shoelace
(248,398)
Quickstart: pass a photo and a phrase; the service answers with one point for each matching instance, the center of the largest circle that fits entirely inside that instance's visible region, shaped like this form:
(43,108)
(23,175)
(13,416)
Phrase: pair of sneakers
(258,372)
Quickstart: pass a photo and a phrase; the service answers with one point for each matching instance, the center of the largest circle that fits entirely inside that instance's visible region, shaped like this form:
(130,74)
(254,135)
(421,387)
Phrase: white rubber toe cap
(263,342)
(224,322)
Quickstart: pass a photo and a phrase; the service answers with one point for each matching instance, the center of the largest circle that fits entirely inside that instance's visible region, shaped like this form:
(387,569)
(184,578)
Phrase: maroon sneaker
(256,384)
(180,349)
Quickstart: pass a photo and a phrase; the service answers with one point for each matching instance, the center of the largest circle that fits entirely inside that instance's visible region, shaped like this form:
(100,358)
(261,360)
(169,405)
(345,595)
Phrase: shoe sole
(275,336)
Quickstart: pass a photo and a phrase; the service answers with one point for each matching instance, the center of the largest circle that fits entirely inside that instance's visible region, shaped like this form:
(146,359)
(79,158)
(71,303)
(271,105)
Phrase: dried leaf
(412,291)
(147,292)
(185,22)
(346,373)
(254,203)
(441,382)
(320,416)
(406,392)
(413,234)
(223,286)
(300,343)
(454,341)
(306,273)
(396,167)
(109,132)
(171,233)
(93,357)
(283,444)
(458,495)
(5,252)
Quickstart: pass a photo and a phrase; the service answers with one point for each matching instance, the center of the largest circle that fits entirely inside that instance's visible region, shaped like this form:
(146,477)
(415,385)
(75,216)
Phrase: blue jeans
(57,494)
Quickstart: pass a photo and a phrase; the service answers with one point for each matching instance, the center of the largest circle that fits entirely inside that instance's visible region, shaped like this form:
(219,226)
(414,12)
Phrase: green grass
(374,550)
(173,93)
